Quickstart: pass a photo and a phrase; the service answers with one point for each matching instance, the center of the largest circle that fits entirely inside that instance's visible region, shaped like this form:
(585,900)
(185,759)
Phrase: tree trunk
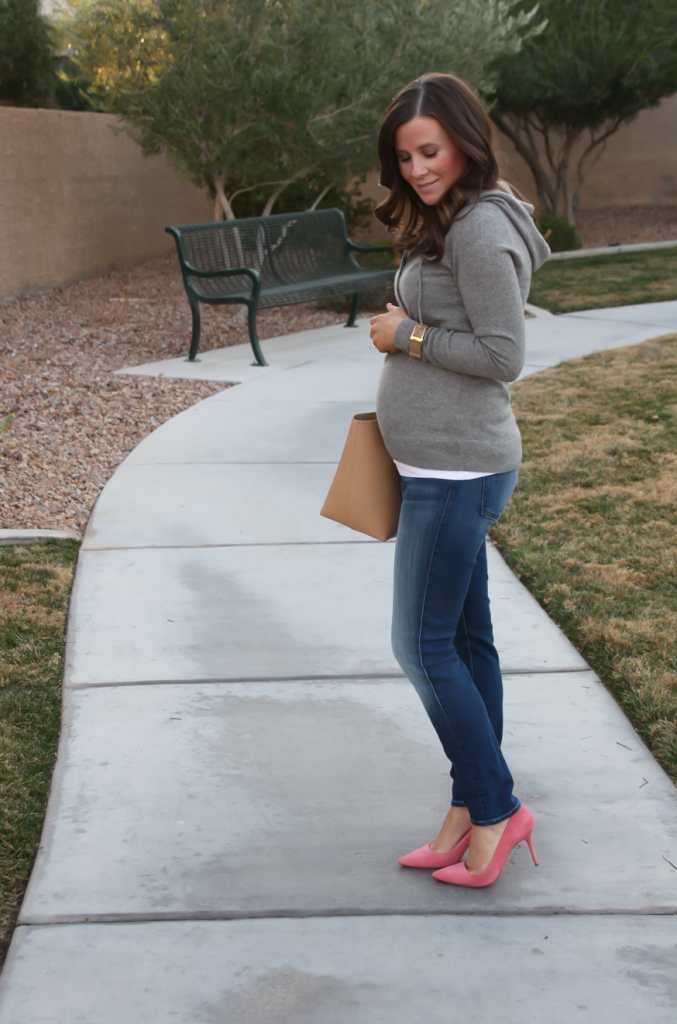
(268,208)
(221,199)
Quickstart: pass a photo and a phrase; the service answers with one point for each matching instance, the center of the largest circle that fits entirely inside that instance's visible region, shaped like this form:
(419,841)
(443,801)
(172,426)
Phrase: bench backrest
(284,248)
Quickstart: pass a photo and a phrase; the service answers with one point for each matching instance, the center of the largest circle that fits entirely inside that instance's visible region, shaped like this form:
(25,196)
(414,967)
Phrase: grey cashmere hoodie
(450,410)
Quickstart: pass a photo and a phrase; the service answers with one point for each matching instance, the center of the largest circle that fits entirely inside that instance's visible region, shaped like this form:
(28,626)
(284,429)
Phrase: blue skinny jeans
(442,635)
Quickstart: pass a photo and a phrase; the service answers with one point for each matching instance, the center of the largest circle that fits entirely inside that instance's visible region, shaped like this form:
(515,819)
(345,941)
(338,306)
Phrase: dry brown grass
(592,527)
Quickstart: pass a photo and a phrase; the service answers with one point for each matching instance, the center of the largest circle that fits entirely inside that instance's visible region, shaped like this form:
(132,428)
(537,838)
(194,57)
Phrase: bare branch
(320,198)
(598,143)
(549,154)
(530,156)
(260,184)
(598,140)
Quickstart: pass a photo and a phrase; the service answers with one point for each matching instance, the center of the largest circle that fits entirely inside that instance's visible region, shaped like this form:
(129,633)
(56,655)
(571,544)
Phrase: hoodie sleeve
(483,251)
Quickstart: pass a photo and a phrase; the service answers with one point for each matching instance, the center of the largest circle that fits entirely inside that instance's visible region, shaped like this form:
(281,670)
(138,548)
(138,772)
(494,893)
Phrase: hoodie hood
(520,214)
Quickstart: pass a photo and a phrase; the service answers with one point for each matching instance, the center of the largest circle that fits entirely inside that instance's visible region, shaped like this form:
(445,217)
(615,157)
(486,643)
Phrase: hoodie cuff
(403,334)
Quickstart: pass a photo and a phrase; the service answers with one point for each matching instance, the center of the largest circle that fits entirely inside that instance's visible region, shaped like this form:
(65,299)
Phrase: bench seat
(212,289)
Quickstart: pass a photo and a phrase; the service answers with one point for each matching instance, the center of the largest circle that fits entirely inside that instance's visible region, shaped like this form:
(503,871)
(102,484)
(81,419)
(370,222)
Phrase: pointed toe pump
(519,827)
(424,857)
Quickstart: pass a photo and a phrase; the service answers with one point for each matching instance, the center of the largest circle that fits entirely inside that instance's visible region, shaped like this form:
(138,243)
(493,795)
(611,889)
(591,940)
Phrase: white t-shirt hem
(437,474)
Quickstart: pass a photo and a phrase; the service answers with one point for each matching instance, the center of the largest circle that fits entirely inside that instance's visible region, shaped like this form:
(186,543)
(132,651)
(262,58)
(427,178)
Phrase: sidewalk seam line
(247,915)
(245,544)
(238,679)
(300,679)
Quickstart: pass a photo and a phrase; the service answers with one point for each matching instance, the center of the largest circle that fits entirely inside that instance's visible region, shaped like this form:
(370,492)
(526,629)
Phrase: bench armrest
(369,248)
(236,272)
(189,269)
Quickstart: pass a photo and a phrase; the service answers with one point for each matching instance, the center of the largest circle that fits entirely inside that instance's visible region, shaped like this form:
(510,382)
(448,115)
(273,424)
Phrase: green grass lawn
(592,527)
(35,583)
(594,282)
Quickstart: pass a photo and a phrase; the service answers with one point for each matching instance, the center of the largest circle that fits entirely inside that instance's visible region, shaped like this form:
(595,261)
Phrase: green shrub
(563,235)
(27,70)
(72,90)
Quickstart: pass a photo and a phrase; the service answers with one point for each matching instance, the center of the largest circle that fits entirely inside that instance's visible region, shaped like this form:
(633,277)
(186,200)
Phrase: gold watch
(416,340)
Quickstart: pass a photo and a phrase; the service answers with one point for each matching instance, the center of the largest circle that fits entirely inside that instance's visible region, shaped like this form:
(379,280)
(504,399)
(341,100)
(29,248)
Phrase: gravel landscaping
(626,225)
(66,421)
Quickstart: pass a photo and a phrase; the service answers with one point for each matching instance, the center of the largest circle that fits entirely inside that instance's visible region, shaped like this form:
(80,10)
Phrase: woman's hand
(383,328)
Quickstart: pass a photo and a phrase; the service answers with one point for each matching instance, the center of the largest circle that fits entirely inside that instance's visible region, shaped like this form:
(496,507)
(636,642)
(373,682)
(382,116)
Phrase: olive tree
(27,74)
(248,93)
(593,68)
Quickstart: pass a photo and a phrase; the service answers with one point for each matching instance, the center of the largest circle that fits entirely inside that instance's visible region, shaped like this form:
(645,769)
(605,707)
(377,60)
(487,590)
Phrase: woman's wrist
(403,333)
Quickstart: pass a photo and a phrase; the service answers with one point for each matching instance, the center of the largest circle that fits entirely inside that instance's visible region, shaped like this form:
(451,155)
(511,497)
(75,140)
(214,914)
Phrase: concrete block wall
(77,199)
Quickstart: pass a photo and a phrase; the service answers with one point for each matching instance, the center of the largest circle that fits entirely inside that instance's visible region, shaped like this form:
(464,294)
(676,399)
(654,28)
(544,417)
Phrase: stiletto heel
(533,852)
(519,828)
(424,857)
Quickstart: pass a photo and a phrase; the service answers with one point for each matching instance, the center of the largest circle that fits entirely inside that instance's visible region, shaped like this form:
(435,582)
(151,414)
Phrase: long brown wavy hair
(453,103)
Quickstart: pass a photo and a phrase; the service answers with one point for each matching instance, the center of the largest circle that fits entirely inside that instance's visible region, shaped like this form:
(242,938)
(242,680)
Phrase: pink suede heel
(424,857)
(519,827)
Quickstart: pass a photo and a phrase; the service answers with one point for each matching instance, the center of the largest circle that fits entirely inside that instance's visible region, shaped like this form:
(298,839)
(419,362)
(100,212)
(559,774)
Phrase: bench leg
(195,337)
(253,336)
(353,310)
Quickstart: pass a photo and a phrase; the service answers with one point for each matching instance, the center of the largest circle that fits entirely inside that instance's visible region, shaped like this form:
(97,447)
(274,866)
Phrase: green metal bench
(280,260)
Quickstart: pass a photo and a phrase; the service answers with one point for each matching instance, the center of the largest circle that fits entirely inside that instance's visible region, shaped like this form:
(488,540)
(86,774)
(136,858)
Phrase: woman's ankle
(455,826)
(484,840)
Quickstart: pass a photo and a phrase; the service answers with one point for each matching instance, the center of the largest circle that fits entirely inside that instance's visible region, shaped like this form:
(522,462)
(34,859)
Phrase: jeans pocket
(496,492)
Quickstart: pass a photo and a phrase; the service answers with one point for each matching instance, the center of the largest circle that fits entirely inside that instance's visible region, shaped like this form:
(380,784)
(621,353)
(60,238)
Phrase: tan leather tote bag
(365,494)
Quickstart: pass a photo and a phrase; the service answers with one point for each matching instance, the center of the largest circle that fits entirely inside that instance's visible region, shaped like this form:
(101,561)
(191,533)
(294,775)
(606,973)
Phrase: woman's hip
(440,545)
(446,521)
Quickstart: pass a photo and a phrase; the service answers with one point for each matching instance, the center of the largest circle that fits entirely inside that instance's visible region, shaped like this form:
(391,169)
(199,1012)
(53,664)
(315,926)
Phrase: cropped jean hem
(501,817)
(493,821)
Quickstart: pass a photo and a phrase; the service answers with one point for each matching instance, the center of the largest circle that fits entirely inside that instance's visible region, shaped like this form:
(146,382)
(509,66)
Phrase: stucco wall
(639,165)
(77,199)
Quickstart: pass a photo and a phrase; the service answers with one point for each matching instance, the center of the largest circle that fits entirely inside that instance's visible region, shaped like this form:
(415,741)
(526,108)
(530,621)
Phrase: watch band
(416,340)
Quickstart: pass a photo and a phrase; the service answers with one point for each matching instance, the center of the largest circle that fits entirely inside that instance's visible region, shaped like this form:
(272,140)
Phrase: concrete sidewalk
(242,762)
(550,340)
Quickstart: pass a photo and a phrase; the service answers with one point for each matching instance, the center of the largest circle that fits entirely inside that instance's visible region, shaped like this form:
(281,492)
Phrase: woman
(453,344)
